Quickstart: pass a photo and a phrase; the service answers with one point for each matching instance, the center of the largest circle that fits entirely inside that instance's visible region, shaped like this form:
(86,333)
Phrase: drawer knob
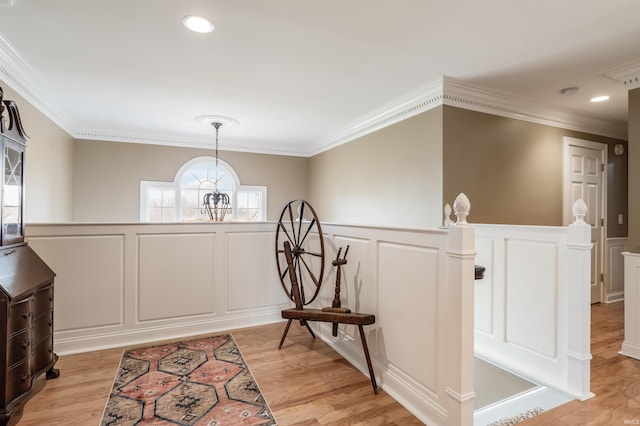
(25,377)
(26,344)
(26,315)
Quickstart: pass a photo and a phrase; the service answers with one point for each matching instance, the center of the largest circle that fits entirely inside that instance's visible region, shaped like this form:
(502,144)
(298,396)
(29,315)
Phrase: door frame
(567,203)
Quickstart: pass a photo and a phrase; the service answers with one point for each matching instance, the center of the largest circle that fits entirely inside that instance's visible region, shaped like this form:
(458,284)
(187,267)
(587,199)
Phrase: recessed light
(198,24)
(600,98)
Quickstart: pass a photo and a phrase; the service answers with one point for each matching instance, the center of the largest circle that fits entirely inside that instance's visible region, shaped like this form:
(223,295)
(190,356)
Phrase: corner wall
(634,172)
(48,165)
(372,180)
(512,169)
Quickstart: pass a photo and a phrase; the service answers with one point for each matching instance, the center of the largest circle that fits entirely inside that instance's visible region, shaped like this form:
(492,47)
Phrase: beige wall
(108,174)
(392,177)
(48,165)
(633,243)
(511,170)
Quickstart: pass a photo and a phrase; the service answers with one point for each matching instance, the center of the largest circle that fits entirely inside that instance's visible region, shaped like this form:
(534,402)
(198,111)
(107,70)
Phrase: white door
(585,177)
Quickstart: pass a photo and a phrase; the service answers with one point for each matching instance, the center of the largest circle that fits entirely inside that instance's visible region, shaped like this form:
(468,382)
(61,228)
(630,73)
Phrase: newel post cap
(461,208)
(579,210)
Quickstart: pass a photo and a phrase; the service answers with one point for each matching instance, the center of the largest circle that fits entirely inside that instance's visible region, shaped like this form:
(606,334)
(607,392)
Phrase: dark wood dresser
(26,282)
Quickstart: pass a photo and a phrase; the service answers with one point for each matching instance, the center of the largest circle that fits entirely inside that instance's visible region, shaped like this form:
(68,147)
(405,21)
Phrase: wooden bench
(331,315)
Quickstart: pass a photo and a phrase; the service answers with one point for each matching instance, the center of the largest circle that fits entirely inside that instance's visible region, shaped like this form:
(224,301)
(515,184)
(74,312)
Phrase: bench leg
(366,354)
(286,330)
(284,335)
(306,323)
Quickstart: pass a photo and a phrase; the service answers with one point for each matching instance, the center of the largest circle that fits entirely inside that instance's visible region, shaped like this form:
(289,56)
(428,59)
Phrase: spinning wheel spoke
(313,221)
(313,278)
(304,239)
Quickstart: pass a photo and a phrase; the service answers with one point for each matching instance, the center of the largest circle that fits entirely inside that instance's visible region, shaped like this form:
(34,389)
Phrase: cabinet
(26,282)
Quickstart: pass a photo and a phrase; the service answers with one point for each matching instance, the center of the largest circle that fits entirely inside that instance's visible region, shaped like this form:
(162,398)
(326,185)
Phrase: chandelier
(216,203)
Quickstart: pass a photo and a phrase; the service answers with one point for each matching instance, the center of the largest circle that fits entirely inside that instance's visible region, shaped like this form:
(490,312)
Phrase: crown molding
(414,103)
(482,99)
(452,92)
(191,141)
(628,74)
(18,74)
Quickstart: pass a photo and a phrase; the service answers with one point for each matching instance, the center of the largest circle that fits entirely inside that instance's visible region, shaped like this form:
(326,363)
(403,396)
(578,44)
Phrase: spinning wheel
(299,226)
(300,260)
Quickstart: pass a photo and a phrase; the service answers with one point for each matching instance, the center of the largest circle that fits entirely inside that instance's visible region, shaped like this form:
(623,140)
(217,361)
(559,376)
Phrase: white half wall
(532,309)
(122,284)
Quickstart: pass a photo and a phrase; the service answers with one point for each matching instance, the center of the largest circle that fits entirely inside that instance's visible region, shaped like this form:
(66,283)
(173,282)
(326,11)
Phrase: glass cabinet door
(12,195)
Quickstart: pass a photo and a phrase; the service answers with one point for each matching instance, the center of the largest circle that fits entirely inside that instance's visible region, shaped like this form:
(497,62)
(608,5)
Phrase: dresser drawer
(43,300)
(19,315)
(18,348)
(42,355)
(18,381)
(42,327)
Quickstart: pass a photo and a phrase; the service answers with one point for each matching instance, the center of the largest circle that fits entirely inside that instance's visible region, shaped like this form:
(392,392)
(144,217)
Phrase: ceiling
(296,72)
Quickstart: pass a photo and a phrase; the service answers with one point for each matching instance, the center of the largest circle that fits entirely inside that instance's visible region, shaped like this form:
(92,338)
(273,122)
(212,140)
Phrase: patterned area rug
(203,382)
(508,421)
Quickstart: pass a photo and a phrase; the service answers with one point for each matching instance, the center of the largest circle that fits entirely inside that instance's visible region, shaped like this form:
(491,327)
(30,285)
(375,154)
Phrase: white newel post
(631,343)
(579,303)
(461,257)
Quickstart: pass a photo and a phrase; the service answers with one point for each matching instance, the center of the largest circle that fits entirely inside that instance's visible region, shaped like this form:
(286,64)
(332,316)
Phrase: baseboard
(416,398)
(98,339)
(630,350)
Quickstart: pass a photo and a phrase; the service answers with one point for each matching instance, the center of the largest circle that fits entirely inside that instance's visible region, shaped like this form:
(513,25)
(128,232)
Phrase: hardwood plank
(615,379)
(305,383)
(308,384)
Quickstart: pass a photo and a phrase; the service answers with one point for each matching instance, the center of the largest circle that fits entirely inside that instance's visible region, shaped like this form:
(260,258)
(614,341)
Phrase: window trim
(176,186)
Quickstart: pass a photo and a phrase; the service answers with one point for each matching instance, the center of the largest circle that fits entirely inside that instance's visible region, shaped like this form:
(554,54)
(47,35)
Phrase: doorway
(584,176)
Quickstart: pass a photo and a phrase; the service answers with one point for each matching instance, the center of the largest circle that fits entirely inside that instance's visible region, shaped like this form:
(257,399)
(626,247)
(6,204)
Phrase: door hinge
(602,221)
(601,277)
(602,167)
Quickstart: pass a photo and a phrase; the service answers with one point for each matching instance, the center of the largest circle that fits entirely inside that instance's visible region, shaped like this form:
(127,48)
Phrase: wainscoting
(125,284)
(614,269)
(133,283)
(532,312)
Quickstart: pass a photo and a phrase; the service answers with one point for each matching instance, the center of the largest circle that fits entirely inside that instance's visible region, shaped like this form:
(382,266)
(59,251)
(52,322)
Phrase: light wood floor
(305,383)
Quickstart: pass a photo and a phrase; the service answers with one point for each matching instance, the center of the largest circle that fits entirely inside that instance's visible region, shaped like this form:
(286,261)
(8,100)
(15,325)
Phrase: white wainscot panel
(175,275)
(252,276)
(89,283)
(407,289)
(615,264)
(532,295)
(484,288)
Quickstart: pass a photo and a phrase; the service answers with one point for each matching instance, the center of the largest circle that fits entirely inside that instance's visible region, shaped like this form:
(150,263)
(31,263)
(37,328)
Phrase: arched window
(182,199)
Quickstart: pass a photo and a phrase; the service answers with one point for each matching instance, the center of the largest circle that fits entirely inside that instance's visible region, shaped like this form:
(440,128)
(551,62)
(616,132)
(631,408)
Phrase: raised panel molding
(99,299)
(532,286)
(614,269)
(175,276)
(408,285)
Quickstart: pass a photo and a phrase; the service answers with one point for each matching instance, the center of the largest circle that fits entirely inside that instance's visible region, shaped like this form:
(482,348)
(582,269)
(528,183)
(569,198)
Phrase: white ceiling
(295,72)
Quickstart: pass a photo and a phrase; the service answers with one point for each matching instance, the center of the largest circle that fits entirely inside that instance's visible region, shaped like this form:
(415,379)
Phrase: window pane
(194,182)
